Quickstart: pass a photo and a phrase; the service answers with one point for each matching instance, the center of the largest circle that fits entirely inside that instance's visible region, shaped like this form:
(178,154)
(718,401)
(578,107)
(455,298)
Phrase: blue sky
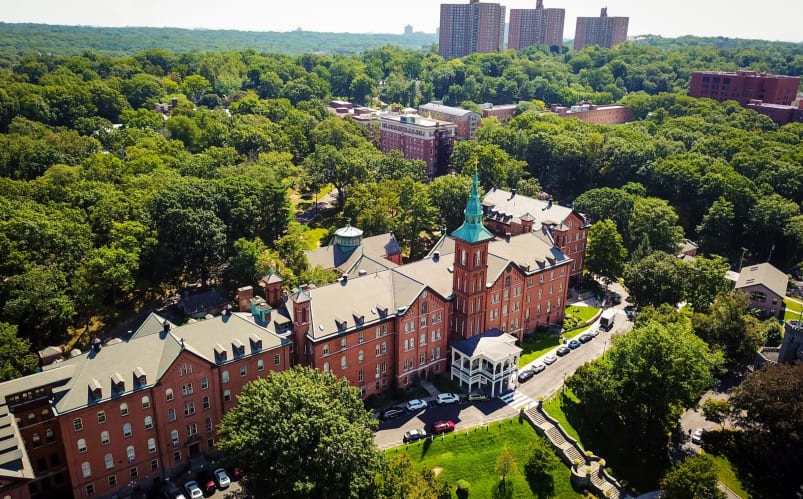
(732,18)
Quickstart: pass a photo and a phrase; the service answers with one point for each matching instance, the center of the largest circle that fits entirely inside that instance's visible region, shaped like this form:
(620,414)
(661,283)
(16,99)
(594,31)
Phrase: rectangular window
(101,417)
(204,383)
(134,473)
(154,465)
(90,489)
(189,408)
(361,338)
(112,480)
(192,429)
(260,365)
(78,424)
(171,414)
(277,359)
(177,456)
(243,371)
(187,389)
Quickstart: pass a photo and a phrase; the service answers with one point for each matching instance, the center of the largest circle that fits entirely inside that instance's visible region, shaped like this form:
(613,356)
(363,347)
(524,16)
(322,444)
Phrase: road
(467,416)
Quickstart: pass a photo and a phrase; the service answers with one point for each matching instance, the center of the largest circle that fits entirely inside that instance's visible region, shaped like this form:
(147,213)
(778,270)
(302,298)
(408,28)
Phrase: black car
(616,299)
(525,375)
(563,350)
(391,413)
(585,338)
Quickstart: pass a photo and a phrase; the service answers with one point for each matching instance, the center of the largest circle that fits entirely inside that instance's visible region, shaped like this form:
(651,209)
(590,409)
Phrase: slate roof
(375,249)
(766,275)
(448,110)
(502,205)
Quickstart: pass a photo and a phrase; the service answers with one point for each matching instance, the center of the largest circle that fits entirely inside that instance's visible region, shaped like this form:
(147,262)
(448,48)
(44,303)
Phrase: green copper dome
(472,230)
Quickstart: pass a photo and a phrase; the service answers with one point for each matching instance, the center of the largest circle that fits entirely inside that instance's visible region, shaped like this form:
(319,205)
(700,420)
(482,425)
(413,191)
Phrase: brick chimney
(244,296)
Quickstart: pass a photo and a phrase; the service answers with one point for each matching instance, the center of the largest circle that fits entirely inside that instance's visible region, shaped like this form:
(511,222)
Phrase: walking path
(588,471)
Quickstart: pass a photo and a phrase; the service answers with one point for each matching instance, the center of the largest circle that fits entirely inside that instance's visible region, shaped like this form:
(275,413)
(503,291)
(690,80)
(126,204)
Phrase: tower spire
(472,230)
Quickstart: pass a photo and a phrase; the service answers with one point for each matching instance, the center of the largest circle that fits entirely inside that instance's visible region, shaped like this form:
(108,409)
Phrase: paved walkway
(429,387)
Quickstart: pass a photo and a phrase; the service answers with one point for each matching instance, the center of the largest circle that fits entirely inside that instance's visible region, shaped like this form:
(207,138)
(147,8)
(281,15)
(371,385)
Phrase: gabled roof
(509,208)
(766,275)
(493,345)
(376,248)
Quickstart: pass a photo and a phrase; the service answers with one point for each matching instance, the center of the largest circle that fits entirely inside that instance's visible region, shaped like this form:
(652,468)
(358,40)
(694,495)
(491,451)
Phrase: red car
(442,427)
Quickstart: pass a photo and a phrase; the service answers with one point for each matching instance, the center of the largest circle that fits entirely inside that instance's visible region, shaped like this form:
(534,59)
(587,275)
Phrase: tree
(693,478)
(730,326)
(656,219)
(244,265)
(716,230)
(16,358)
(716,410)
(449,193)
(705,279)
(506,463)
(602,203)
(400,479)
(301,433)
(658,278)
(540,468)
(605,254)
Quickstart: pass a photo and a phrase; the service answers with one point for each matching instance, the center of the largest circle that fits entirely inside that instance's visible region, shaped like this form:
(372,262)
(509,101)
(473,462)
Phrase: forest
(106,204)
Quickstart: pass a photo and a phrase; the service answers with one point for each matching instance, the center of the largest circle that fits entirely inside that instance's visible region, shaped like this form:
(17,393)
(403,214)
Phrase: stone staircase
(586,469)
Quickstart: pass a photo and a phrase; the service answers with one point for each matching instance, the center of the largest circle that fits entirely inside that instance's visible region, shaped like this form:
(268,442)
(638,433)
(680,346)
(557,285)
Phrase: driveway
(467,416)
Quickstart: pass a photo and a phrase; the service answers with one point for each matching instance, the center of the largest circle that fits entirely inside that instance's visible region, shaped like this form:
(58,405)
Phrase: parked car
(593,332)
(416,405)
(524,375)
(697,437)
(171,491)
(413,435)
(537,368)
(630,312)
(193,490)
(585,338)
(236,473)
(562,350)
(391,413)
(447,398)
(206,482)
(442,427)
(222,478)
(616,299)
(477,396)
(549,359)
(574,344)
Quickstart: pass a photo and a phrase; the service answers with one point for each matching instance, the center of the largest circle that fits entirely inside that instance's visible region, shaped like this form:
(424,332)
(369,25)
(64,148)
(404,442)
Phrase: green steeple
(472,230)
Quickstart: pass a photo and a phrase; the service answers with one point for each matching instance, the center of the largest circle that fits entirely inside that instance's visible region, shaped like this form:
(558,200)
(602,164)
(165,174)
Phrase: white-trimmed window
(81,445)
(104,438)
(151,446)
(124,409)
(148,422)
(146,402)
(169,394)
(127,430)
(86,470)
(131,453)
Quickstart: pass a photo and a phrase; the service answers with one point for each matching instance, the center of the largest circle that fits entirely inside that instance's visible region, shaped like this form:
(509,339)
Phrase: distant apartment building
(603,30)
(611,114)
(744,86)
(502,112)
(471,28)
(467,121)
(538,26)
(428,140)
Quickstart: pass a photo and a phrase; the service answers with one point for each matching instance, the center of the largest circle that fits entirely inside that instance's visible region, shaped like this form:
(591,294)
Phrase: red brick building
(779,113)
(610,114)
(744,86)
(466,121)
(471,28)
(116,418)
(538,26)
(428,140)
(558,226)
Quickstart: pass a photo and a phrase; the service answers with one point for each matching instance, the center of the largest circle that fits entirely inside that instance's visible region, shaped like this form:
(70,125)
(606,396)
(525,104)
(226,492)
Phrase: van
(474,396)
(607,319)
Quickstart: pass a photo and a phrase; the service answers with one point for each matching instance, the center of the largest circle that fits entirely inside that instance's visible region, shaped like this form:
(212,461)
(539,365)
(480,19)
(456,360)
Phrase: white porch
(491,358)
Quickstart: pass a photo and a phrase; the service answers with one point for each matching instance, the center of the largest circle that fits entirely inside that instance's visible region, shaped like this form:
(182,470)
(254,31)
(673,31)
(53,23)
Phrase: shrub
(462,489)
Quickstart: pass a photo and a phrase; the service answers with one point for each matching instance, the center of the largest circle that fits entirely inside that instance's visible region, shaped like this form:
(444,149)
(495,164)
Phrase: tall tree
(605,254)
(705,279)
(301,433)
(16,358)
(656,219)
(693,478)
(540,469)
(655,279)
(730,326)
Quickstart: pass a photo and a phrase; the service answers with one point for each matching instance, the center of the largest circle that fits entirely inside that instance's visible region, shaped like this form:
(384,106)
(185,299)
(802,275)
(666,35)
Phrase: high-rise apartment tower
(603,30)
(469,28)
(538,26)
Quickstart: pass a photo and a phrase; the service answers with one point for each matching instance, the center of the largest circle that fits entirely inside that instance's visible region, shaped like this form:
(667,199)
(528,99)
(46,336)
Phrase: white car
(221,478)
(549,359)
(193,490)
(416,405)
(697,437)
(447,398)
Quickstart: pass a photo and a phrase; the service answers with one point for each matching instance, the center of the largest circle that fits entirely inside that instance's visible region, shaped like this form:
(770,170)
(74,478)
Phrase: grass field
(728,476)
(793,309)
(473,458)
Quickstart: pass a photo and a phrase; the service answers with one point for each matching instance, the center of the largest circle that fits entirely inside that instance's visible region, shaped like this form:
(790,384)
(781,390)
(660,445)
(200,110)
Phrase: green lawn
(472,457)
(312,237)
(728,476)
(793,309)
(583,313)
(536,345)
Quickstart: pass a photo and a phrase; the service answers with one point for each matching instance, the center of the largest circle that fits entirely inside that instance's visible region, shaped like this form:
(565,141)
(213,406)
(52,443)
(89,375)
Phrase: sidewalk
(429,387)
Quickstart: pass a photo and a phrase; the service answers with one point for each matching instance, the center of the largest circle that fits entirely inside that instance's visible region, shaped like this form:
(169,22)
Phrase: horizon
(717,18)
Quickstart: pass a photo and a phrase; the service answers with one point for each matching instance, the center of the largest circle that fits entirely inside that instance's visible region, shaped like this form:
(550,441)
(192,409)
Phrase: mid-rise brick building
(538,26)
(471,28)
(466,121)
(428,140)
(603,31)
(744,86)
(606,114)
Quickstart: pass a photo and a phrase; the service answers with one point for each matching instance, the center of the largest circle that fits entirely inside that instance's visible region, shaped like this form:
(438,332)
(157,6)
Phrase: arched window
(104,437)
(326,367)
(226,395)
(127,430)
(151,445)
(81,445)
(109,459)
(148,422)
(174,437)
(225,376)
(169,394)
(124,409)
(361,356)
(146,402)
(37,440)
(131,453)
(208,424)
(343,362)
(86,470)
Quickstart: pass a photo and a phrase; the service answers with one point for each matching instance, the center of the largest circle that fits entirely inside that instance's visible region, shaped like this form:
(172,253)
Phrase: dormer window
(139,374)
(96,389)
(341,323)
(382,310)
(359,319)
(256,342)
(237,347)
(119,382)
(220,353)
